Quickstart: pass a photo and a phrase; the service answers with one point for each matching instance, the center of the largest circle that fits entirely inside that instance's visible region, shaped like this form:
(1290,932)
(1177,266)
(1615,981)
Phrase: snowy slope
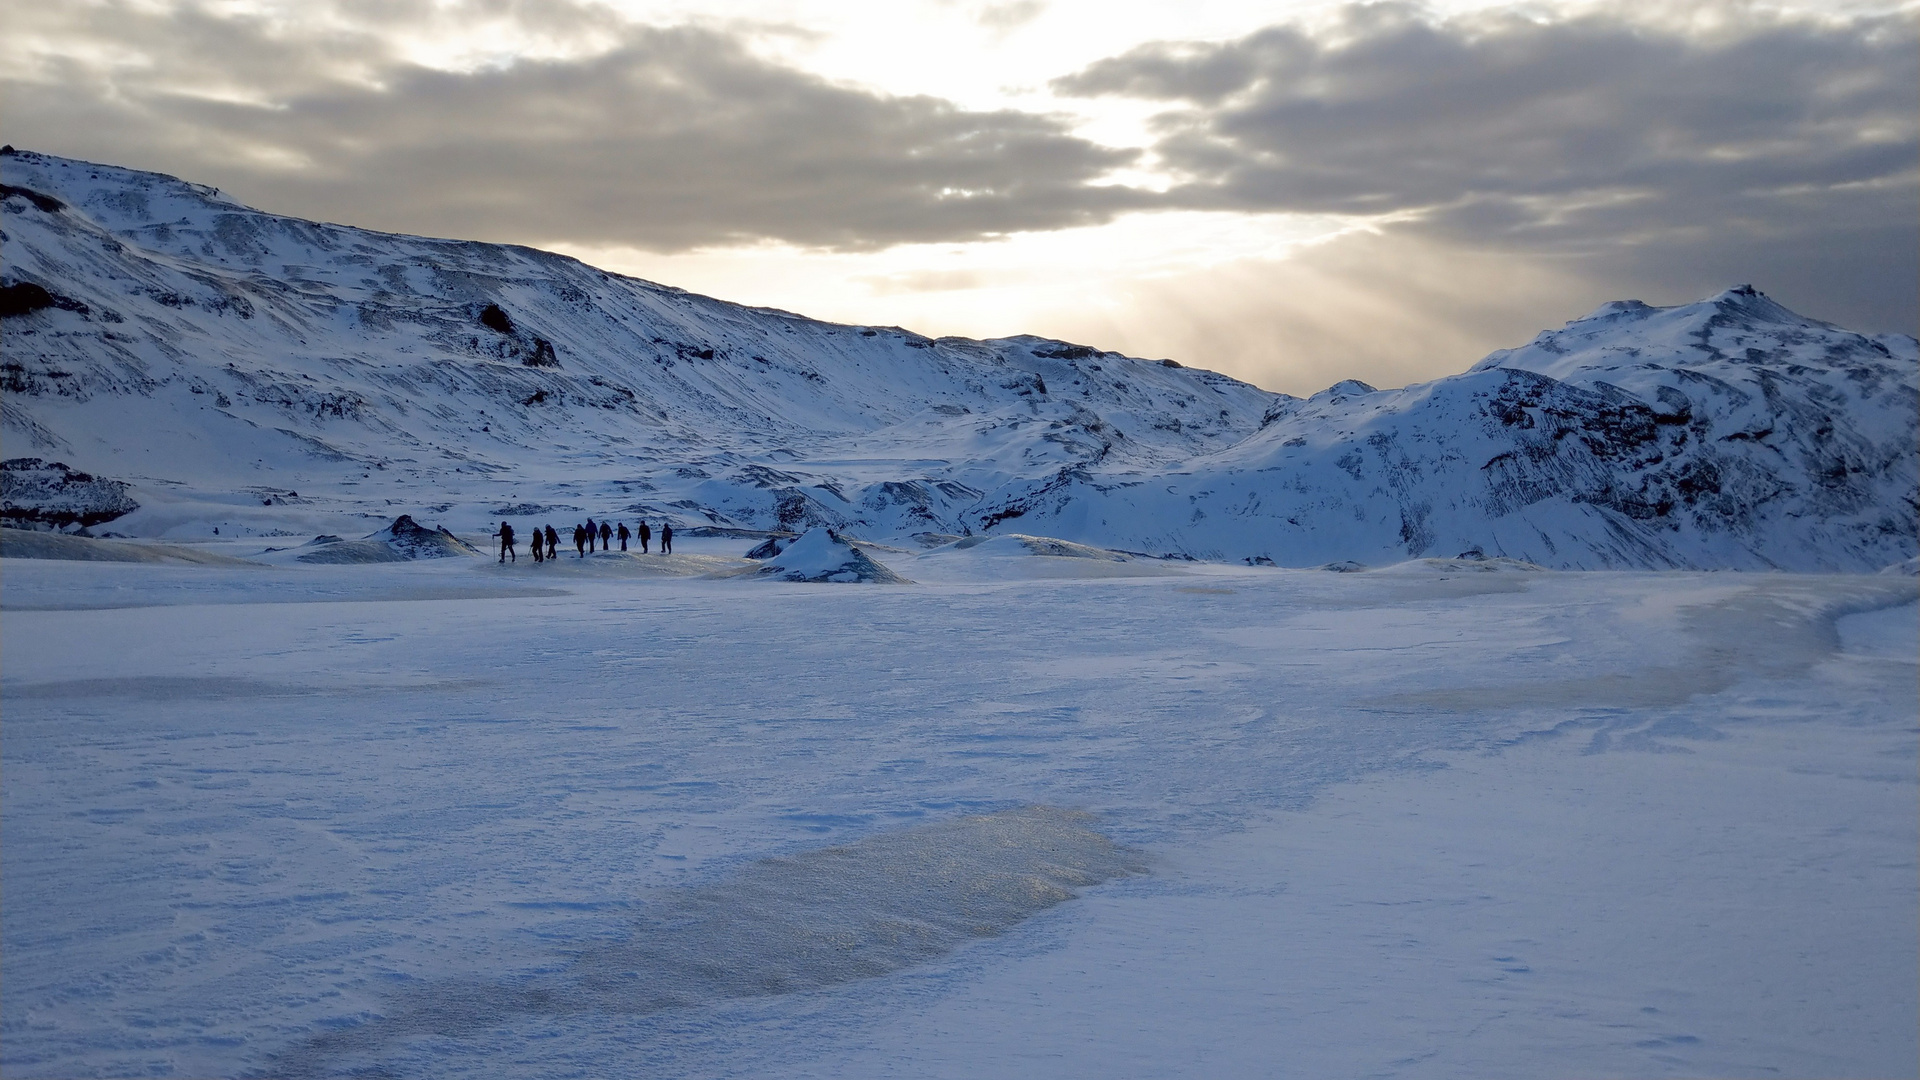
(206,345)
(1730,433)
(271,376)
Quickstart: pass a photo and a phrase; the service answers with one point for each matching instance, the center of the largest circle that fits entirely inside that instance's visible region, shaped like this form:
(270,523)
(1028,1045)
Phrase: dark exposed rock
(43,494)
(26,297)
(1060,350)
(23,298)
(44,203)
(495,318)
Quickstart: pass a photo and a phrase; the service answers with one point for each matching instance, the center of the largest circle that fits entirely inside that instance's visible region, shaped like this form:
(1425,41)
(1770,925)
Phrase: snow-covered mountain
(1730,433)
(267,375)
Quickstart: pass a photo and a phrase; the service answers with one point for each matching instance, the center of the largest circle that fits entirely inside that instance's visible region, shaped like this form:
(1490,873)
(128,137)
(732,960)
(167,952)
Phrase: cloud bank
(1724,144)
(663,138)
(1512,165)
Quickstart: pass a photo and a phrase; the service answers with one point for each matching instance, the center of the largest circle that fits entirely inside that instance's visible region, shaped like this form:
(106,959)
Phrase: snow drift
(33,544)
(237,355)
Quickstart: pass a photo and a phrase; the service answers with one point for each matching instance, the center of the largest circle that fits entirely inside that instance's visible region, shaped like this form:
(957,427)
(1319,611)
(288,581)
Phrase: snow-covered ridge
(267,375)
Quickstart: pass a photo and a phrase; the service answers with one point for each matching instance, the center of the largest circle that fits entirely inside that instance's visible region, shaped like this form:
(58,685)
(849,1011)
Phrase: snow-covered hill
(1730,433)
(266,375)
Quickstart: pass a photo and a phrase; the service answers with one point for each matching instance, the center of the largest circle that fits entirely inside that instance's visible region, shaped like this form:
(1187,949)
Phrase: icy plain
(1031,816)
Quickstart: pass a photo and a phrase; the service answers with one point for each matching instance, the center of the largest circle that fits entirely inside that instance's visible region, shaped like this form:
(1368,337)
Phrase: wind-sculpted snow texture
(1446,819)
(809,921)
(221,359)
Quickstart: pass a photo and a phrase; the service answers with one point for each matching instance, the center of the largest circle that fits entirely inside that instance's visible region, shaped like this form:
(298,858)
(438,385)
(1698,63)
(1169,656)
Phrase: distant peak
(1751,302)
(1615,309)
(1345,388)
(1744,300)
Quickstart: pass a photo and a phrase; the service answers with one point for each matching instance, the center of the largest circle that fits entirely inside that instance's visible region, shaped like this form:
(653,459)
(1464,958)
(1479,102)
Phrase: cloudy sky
(1290,192)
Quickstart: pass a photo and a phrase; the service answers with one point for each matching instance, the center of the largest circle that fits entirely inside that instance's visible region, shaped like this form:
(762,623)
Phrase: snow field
(450,820)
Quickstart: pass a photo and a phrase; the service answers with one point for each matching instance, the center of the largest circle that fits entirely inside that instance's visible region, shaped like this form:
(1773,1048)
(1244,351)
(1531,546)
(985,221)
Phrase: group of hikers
(546,542)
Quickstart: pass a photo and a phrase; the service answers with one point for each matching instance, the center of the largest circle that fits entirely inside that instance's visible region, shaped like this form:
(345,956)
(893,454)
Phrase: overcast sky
(1292,193)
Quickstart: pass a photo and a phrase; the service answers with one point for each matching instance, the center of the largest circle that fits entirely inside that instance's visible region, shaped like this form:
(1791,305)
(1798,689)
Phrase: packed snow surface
(450,817)
(267,376)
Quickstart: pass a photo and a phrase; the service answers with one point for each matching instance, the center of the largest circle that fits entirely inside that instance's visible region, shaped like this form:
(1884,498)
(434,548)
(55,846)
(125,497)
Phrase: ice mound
(1025,557)
(822,554)
(1472,561)
(403,540)
(48,494)
(782,925)
(1904,568)
(1022,544)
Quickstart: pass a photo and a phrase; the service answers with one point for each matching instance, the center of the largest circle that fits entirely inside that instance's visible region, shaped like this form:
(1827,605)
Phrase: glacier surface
(451,818)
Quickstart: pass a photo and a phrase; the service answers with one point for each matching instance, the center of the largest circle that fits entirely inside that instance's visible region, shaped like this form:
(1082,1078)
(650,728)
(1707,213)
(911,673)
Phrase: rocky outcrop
(49,495)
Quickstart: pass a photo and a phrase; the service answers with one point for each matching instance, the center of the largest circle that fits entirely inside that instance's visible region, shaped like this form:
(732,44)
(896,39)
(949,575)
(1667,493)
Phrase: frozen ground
(1029,817)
